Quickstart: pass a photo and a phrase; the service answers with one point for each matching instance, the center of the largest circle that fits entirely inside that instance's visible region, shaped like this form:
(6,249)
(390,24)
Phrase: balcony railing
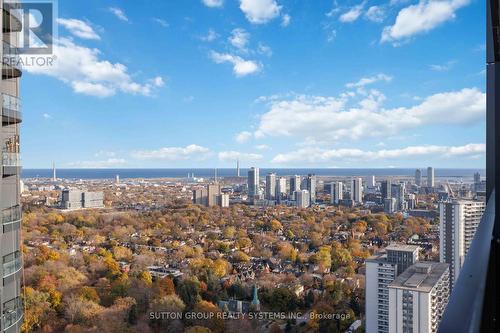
(12,317)
(11,164)
(11,110)
(11,61)
(12,267)
(11,215)
(465,307)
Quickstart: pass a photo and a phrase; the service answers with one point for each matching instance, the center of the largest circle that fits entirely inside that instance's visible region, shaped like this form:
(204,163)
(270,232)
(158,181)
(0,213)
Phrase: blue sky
(275,83)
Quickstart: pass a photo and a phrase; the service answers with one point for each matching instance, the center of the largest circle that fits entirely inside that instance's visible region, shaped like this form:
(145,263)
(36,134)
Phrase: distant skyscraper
(477,178)
(253,183)
(370,181)
(200,197)
(294,184)
(357,190)
(213,191)
(117,179)
(336,192)
(398,192)
(418,297)
(280,188)
(381,270)
(458,221)
(418,177)
(238,168)
(390,205)
(385,189)
(430,177)
(302,198)
(311,187)
(270,186)
(222,200)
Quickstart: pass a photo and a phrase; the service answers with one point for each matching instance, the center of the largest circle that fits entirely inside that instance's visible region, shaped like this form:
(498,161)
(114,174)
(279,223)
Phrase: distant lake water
(231,172)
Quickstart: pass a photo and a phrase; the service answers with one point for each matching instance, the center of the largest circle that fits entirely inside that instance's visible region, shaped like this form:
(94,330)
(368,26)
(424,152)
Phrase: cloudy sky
(275,83)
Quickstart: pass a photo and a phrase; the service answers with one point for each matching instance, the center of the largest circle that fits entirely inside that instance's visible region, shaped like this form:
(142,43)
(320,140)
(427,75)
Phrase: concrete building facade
(418,297)
(381,270)
(458,221)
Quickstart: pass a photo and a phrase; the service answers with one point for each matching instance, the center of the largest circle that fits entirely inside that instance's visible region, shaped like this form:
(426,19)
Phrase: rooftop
(421,276)
(402,247)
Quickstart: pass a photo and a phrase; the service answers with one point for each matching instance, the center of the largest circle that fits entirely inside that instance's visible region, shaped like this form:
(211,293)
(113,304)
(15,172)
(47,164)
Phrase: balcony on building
(12,19)
(11,62)
(11,110)
(12,313)
(11,164)
(11,218)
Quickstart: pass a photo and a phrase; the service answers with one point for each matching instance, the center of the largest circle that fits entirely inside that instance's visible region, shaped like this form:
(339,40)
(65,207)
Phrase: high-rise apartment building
(458,221)
(270,186)
(200,196)
(253,183)
(302,198)
(418,177)
(311,187)
(381,270)
(370,181)
(398,192)
(336,192)
(294,184)
(357,190)
(280,188)
(418,297)
(430,177)
(213,190)
(385,189)
(10,291)
(390,205)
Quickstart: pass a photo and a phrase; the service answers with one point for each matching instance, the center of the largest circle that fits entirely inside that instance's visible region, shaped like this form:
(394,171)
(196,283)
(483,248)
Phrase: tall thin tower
(238,168)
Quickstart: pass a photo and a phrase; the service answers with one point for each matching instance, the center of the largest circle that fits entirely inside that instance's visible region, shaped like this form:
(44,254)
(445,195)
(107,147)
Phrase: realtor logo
(34,21)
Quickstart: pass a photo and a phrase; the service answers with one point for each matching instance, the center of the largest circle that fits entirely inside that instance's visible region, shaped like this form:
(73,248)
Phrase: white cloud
(375,14)
(319,156)
(265,50)
(173,153)
(210,36)
(260,11)
(352,14)
(92,89)
(243,137)
(239,38)
(421,18)
(370,80)
(241,67)
(161,22)
(79,28)
(105,153)
(119,13)
(443,67)
(227,156)
(329,119)
(108,163)
(47,116)
(285,20)
(82,69)
(213,3)
(262,147)
(332,34)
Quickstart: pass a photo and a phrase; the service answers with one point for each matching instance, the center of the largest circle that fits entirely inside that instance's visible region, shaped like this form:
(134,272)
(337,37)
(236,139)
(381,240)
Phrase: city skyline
(182,85)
